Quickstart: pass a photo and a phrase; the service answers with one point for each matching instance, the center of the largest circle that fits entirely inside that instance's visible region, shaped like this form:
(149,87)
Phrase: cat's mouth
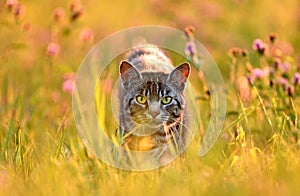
(148,127)
(149,122)
(153,124)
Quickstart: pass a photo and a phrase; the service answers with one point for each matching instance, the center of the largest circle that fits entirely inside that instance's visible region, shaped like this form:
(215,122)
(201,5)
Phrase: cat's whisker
(181,123)
(131,124)
(187,128)
(166,129)
(131,130)
(174,134)
(187,115)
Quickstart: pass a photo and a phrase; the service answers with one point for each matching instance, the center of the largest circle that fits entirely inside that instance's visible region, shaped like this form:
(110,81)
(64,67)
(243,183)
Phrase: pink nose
(154,113)
(154,109)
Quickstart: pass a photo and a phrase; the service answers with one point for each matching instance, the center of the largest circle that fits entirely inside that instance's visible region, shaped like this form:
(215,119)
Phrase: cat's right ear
(128,73)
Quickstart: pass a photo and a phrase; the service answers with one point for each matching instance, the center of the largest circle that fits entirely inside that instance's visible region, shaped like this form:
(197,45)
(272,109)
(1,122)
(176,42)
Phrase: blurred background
(42,44)
(219,24)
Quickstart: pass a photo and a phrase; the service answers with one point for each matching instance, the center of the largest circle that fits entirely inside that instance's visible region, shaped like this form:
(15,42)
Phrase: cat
(153,110)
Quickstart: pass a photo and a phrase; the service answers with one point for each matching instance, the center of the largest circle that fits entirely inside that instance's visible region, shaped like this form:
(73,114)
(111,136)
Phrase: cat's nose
(154,113)
(154,109)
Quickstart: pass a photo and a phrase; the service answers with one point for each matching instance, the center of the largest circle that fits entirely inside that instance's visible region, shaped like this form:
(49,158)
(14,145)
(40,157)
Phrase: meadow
(256,45)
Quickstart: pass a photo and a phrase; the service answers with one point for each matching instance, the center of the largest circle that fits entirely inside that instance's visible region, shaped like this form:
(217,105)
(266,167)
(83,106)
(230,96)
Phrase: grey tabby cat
(152,102)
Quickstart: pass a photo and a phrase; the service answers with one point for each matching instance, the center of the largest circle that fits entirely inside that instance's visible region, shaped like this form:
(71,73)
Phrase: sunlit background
(43,44)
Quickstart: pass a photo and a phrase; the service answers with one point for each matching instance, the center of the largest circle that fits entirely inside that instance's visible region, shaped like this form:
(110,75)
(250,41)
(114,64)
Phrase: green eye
(166,100)
(141,99)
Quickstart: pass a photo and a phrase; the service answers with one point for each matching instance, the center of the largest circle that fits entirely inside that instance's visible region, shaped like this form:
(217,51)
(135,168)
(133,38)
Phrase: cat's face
(154,104)
(154,99)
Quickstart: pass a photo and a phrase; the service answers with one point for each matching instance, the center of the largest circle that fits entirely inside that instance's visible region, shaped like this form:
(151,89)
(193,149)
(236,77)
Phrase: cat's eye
(166,100)
(141,99)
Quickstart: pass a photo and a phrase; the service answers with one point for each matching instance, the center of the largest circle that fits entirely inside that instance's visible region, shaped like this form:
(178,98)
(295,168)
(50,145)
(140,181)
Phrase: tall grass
(42,154)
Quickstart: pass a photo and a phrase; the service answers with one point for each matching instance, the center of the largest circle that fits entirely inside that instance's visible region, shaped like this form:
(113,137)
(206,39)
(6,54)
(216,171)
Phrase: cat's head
(153,99)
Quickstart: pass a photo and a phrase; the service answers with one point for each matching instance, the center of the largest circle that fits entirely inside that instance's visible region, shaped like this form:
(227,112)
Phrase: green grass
(42,154)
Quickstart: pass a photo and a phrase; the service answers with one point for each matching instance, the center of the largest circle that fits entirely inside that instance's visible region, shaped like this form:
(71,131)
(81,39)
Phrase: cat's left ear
(129,74)
(179,75)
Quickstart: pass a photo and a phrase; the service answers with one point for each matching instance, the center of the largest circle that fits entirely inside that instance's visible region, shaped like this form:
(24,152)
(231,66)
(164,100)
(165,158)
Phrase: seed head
(235,52)
(76,10)
(273,37)
(189,31)
(245,52)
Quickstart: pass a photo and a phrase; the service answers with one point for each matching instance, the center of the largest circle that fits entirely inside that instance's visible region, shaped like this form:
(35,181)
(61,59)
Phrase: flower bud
(52,49)
(59,14)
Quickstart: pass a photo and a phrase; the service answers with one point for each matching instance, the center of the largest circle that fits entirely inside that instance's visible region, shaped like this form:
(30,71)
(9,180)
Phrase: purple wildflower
(296,78)
(257,73)
(68,84)
(285,67)
(52,49)
(190,48)
(259,46)
(283,82)
(86,35)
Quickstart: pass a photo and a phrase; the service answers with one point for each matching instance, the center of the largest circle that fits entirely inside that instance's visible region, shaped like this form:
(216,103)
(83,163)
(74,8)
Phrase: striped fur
(148,72)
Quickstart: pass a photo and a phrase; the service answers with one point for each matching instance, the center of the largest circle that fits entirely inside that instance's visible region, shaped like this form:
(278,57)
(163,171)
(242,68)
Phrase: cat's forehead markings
(152,87)
(161,93)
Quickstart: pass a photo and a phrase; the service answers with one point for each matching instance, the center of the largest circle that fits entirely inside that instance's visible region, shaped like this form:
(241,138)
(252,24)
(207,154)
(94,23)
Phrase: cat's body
(152,103)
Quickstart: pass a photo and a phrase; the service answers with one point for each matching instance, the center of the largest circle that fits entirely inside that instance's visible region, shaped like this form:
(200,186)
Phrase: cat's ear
(129,73)
(179,76)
